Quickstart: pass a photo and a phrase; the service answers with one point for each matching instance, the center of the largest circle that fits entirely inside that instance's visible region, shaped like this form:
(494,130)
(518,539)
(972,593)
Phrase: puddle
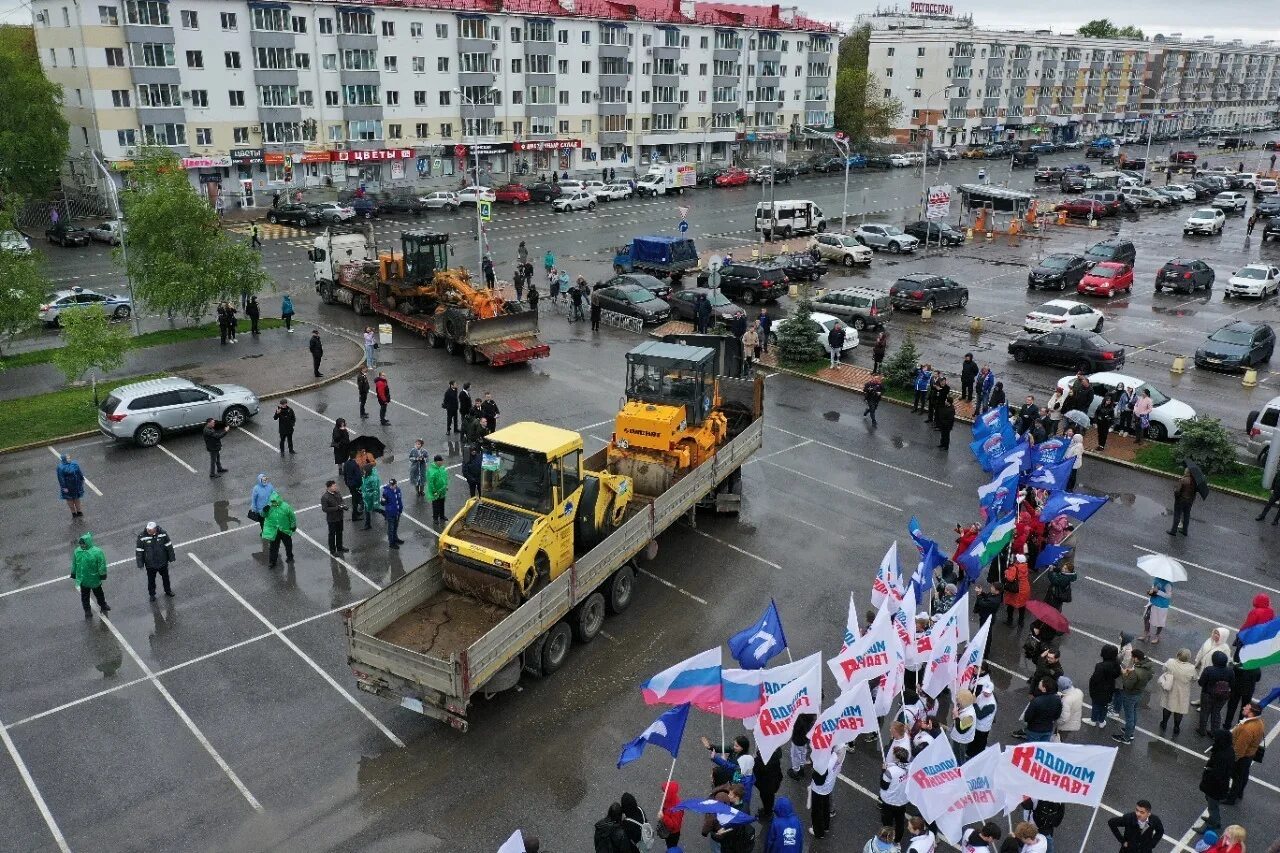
(831,416)
(898,442)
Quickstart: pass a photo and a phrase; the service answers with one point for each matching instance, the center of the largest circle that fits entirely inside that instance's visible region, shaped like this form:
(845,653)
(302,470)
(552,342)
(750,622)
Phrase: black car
(1058,271)
(935,233)
(708,177)
(722,310)
(67,235)
(1047,174)
(802,168)
(879,161)
(1272,229)
(404,204)
(778,174)
(827,164)
(801,266)
(1022,159)
(1237,345)
(632,300)
(1185,275)
(301,215)
(752,282)
(922,290)
(366,207)
(1136,164)
(1072,183)
(1269,207)
(1120,251)
(543,191)
(659,288)
(1087,352)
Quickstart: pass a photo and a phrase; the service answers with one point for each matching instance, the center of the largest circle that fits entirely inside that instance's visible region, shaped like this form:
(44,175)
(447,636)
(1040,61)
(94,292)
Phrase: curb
(1133,466)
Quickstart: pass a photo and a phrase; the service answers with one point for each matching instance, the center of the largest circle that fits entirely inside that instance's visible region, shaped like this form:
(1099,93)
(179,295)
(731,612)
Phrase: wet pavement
(227,719)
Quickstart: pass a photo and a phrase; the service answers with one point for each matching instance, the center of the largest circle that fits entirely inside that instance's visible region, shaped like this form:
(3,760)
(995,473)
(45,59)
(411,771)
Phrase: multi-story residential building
(267,95)
(963,85)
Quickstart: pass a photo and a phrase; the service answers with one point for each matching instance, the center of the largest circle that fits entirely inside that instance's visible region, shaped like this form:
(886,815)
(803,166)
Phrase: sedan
(1237,345)
(581,200)
(722,310)
(512,193)
(1145,197)
(403,204)
(115,307)
(1059,270)
(935,233)
(825,324)
(1177,192)
(800,266)
(1254,280)
(1206,220)
(1167,415)
(653,284)
(1084,208)
(108,232)
(1085,351)
(1059,314)
(67,235)
(1231,202)
(1185,275)
(301,215)
(475,193)
(632,300)
(1269,207)
(615,191)
(441,201)
(731,178)
(1072,183)
(1107,279)
(333,213)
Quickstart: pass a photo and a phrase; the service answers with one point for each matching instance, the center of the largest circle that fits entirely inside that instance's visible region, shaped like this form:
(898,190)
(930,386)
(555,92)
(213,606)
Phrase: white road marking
(670,585)
(182,715)
(299,652)
(261,441)
(776,452)
(733,547)
(420,524)
(34,791)
(167,452)
(594,425)
(864,458)
(796,473)
(341,561)
(58,455)
(1215,571)
(1214,622)
(306,408)
(397,403)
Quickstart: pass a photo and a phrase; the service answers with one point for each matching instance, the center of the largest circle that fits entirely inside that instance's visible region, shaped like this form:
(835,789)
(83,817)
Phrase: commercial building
(965,85)
(264,96)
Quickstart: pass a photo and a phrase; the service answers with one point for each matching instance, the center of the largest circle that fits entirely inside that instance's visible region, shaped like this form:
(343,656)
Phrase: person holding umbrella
(1164,571)
(1184,495)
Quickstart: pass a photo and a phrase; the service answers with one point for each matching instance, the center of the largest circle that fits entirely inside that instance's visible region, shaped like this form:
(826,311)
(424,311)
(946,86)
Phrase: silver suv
(860,307)
(891,237)
(144,411)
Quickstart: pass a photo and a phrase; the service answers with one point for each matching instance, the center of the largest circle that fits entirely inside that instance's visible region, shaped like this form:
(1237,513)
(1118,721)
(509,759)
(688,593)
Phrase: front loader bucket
(522,324)
(484,584)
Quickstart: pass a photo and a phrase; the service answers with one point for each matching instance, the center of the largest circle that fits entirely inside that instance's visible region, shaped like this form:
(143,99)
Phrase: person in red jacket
(1016,599)
(967,536)
(382,389)
(672,820)
(1261,612)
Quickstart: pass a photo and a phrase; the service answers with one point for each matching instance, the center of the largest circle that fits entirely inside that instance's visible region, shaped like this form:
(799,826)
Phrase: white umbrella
(1162,566)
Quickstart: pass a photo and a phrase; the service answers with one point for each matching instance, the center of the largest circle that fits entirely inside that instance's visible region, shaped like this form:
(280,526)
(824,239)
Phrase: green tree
(33,135)
(899,369)
(861,110)
(22,286)
(1102,28)
(1205,441)
(90,342)
(799,344)
(178,256)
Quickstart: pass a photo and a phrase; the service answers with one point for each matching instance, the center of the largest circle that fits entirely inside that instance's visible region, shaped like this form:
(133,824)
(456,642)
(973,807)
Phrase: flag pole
(722,740)
(1089,829)
(671,773)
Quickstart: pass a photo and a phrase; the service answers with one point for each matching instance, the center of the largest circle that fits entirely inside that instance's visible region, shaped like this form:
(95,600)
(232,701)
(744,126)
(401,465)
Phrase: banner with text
(1060,772)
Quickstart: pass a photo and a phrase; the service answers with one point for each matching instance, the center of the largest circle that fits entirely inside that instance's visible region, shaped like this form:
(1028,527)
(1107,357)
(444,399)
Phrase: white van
(789,217)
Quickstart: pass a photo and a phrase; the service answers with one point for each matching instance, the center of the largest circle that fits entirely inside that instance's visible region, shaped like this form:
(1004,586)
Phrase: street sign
(486,211)
(684,226)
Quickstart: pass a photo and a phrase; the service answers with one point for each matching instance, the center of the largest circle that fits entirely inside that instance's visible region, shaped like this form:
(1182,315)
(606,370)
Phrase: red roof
(660,11)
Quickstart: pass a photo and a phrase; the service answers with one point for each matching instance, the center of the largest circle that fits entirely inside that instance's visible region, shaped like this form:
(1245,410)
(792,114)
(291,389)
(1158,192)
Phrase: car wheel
(235,417)
(1019,355)
(1158,432)
(122,312)
(859,323)
(749,297)
(815,275)
(1083,366)
(895,248)
(591,206)
(148,435)
(964,300)
(1062,285)
(1159,288)
(271,217)
(303,222)
(931,304)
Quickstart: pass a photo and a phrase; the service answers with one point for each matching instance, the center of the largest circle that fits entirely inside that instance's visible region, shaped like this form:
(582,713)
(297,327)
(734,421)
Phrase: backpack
(1221,689)
(647,834)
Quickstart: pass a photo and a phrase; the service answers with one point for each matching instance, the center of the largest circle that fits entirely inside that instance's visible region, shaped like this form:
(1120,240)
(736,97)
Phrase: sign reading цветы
(931,8)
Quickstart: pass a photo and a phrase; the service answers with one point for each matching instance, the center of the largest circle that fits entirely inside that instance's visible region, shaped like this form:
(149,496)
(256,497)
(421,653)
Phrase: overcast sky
(1225,19)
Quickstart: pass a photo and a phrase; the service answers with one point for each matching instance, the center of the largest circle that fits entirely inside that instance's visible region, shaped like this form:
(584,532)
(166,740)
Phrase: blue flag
(1000,497)
(1022,454)
(726,815)
(1270,697)
(1051,554)
(923,543)
(992,420)
(667,731)
(1051,451)
(922,580)
(753,647)
(991,449)
(1053,478)
(1072,505)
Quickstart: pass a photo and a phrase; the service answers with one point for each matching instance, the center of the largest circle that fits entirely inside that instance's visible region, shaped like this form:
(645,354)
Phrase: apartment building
(962,85)
(264,96)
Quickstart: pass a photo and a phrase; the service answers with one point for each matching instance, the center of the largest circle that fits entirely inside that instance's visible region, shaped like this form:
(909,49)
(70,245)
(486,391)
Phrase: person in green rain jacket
(371,493)
(278,525)
(89,570)
(437,487)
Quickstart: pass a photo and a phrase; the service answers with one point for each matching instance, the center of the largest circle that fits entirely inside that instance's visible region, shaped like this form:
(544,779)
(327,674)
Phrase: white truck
(792,216)
(664,178)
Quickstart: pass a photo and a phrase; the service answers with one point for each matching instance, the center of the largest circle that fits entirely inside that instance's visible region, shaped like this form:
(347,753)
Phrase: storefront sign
(931,8)
(205,162)
(272,158)
(483,149)
(547,145)
(371,156)
(246,153)
(211,179)
(314,157)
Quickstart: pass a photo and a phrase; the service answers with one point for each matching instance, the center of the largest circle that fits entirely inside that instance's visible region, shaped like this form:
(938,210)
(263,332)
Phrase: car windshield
(1056,262)
(848,241)
(635,293)
(1251,272)
(1102,271)
(1203,214)
(1157,398)
(1055,310)
(212,389)
(517,477)
(1232,336)
(1095,340)
(892,230)
(718,299)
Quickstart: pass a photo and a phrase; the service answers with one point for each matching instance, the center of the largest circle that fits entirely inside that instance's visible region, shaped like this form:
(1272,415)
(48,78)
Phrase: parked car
(653,284)
(1107,279)
(1266,187)
(442,201)
(899,161)
(841,248)
(513,193)
(1022,159)
(860,307)
(776,174)
(1058,271)
(115,307)
(366,207)
(1072,182)
(580,200)
(67,235)
(1086,351)
(17,243)
(332,213)
(923,290)
(1177,193)
(108,232)
(935,233)
(1113,199)
(632,300)
(1116,249)
(752,282)
(1063,314)
(1258,280)
(1230,202)
(1046,174)
(826,323)
(615,191)
(1237,345)
(545,191)
(800,266)
(1165,417)
(475,193)
(890,237)
(1146,197)
(732,177)
(1271,231)
(302,215)
(1185,157)
(1084,208)
(1206,220)
(404,204)
(1268,207)
(722,310)
(1260,428)
(1185,275)
(143,412)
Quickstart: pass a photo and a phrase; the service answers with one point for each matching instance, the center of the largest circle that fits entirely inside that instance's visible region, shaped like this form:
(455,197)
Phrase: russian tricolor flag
(696,681)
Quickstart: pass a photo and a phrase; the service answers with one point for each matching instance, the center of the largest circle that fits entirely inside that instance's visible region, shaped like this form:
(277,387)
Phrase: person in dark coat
(489,409)
(1215,780)
(486,266)
(997,397)
(878,350)
(1243,683)
(1139,831)
(938,389)
(1216,682)
(702,308)
(317,351)
(222,323)
(253,312)
(70,483)
(765,323)
(596,310)
(534,296)
(471,470)
(633,818)
(768,781)
(352,477)
(285,418)
(213,435)
(450,406)
(154,552)
(835,342)
(968,373)
(382,390)
(1102,685)
(331,506)
(872,391)
(340,441)
(1272,501)
(464,401)
(987,605)
(945,419)
(362,388)
(609,836)
(739,325)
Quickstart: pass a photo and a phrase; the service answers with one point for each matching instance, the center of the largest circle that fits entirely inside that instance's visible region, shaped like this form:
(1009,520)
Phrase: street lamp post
(475,150)
(841,142)
(924,159)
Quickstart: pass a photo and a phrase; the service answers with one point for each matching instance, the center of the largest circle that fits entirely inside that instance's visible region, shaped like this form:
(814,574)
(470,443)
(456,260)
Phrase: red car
(1184,157)
(1084,208)
(1107,279)
(732,178)
(513,194)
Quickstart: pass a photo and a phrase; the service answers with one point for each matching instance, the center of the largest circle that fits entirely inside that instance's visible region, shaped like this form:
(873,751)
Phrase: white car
(826,323)
(899,160)
(476,193)
(1145,196)
(1206,220)
(16,242)
(1230,201)
(108,232)
(571,187)
(441,201)
(1181,190)
(332,212)
(1267,186)
(1063,314)
(1165,417)
(614,191)
(581,200)
(1258,280)
(115,307)
(947,153)
(840,248)
(593,187)
(889,237)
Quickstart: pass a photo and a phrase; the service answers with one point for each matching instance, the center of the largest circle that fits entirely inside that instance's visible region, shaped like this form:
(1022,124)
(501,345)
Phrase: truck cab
(333,249)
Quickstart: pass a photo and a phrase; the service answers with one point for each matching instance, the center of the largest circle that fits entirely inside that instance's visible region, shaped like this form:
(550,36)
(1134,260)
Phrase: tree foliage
(1102,28)
(33,134)
(90,341)
(22,286)
(899,369)
(799,342)
(175,251)
(1205,441)
(861,109)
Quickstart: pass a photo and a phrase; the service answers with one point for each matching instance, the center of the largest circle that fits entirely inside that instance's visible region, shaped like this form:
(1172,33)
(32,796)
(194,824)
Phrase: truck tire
(555,651)
(325,288)
(620,589)
(472,355)
(451,346)
(588,618)
(618,270)
(360,304)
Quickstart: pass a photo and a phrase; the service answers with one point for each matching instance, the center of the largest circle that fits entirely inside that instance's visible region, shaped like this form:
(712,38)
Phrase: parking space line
(1214,622)
(341,561)
(305,408)
(397,403)
(744,552)
(1216,572)
(670,585)
(796,473)
(58,455)
(167,452)
(776,452)
(420,524)
(260,440)
(864,458)
(33,790)
(182,715)
(299,652)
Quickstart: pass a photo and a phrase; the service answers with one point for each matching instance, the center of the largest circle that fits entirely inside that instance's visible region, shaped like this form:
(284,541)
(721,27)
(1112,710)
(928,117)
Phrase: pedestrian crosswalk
(268,231)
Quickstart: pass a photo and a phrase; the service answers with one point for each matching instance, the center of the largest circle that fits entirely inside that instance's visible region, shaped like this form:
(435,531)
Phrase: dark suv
(1025,158)
(752,282)
(543,191)
(1185,275)
(922,290)
(1059,271)
(1120,251)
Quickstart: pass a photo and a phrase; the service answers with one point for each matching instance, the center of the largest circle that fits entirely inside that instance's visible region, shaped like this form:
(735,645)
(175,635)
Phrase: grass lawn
(47,416)
(1242,478)
(146,339)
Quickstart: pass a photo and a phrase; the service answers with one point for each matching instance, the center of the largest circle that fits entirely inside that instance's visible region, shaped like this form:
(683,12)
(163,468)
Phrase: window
(919,73)
(115,56)
(684,122)
(393,131)
(442,63)
(120,97)
(273,57)
(235,97)
(888,93)
(298,24)
(562,36)
(517,128)
(189,20)
(355,23)
(542,95)
(164,134)
(540,63)
(890,52)
(151,55)
(420,98)
(540,126)
(516,65)
(228,21)
(563,97)
(109,17)
(537,31)
(302,60)
(365,95)
(195,59)
(326,26)
(644,97)
(586,36)
(126,138)
(517,97)
(442,32)
(422,130)
(473,62)
(332,98)
(272,20)
(586,96)
(389,63)
(562,66)
(388,29)
(232,58)
(278,96)
(204,136)
(71,56)
(393,98)
(199,97)
(415,30)
(329,61)
(468,28)
(564,127)
(419,64)
(644,123)
(446,130)
(281,131)
(149,13)
(446,97)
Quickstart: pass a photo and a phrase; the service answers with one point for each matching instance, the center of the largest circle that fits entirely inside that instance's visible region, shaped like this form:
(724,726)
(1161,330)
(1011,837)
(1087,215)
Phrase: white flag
(941,669)
(869,656)
(851,715)
(958,615)
(514,844)
(888,580)
(891,684)
(770,681)
(1059,772)
(904,625)
(979,799)
(971,660)
(777,717)
(851,628)
(934,779)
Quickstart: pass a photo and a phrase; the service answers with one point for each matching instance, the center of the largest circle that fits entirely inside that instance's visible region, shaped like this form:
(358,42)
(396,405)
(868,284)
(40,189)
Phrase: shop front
(372,170)
(206,174)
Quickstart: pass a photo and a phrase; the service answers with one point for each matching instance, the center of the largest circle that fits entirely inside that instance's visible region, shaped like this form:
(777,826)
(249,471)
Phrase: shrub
(799,344)
(899,369)
(1206,442)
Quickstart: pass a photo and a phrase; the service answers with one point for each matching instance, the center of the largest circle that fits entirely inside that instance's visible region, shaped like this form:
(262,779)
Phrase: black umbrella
(1198,477)
(370,443)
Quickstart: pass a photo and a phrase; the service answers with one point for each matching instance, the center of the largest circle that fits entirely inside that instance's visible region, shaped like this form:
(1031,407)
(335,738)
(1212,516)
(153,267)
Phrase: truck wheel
(588,618)
(620,588)
(326,292)
(360,304)
(434,340)
(451,346)
(618,270)
(472,355)
(555,651)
